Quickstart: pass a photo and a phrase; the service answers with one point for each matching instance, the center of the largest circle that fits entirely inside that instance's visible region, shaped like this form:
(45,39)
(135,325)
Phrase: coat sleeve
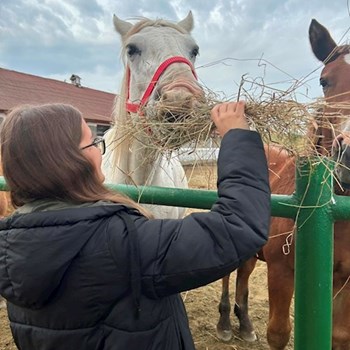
(179,255)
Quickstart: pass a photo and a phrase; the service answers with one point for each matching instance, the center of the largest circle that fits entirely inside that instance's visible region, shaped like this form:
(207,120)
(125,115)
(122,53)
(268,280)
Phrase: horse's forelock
(145,22)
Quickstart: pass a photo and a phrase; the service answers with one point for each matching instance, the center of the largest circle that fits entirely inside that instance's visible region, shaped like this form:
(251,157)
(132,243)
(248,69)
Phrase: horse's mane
(114,138)
(338,51)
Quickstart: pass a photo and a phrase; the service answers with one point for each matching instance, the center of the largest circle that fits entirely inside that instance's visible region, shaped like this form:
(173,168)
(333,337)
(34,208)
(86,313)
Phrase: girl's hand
(229,115)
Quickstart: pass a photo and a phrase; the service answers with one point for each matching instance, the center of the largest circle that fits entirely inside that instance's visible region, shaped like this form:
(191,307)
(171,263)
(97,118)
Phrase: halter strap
(135,107)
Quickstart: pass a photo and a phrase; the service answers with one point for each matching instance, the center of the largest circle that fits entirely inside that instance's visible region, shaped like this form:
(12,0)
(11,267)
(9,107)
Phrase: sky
(266,41)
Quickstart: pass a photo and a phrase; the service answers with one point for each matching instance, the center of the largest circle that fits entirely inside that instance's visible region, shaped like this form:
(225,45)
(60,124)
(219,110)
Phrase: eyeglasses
(98,142)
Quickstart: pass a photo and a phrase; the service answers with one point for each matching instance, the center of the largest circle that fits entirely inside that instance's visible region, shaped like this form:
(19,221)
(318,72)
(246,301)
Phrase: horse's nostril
(170,117)
(337,143)
(157,95)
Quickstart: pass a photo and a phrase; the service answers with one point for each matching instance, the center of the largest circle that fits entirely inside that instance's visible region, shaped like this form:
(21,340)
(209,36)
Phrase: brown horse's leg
(341,319)
(224,328)
(281,288)
(246,329)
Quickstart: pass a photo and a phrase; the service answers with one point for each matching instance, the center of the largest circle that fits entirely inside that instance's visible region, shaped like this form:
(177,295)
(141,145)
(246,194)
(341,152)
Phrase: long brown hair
(41,158)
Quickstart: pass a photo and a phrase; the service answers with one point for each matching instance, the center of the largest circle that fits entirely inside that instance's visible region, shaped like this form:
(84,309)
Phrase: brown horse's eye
(324,83)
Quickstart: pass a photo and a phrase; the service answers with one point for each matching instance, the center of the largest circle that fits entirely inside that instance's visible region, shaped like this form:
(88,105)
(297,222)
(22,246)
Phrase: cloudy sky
(265,40)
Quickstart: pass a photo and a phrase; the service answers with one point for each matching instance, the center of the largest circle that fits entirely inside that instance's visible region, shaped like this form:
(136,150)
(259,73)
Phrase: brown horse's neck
(281,170)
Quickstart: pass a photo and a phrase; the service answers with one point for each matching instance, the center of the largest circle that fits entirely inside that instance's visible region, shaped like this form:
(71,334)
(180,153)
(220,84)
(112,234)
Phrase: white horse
(159,57)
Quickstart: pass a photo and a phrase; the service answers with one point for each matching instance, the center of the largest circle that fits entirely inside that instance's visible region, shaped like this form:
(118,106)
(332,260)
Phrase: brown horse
(279,251)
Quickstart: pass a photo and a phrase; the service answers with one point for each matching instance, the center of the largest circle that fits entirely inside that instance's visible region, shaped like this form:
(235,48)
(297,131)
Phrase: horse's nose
(184,85)
(178,95)
(183,93)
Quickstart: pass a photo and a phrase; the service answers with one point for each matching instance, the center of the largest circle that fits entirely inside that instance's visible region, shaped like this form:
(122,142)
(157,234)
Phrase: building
(18,88)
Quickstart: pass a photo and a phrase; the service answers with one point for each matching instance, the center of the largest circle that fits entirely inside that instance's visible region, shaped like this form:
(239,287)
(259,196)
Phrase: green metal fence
(315,208)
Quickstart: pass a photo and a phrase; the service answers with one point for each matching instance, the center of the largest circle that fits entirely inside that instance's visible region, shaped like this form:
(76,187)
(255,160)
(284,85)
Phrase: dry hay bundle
(168,128)
(282,122)
(279,120)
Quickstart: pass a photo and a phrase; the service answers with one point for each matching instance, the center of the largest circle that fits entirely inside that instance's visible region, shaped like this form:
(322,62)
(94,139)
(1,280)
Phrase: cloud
(54,37)
(267,40)
(275,31)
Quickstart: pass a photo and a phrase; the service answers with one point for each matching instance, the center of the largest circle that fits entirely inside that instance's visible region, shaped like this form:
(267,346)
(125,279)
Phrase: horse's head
(160,58)
(334,128)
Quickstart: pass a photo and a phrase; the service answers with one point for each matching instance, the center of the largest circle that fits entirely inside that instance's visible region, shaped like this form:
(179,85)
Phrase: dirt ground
(202,303)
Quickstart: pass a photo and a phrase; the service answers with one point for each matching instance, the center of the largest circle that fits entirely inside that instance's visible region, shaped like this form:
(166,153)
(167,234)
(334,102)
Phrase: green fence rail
(315,208)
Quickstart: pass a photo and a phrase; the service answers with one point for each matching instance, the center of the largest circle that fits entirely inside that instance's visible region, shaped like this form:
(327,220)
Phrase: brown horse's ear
(322,43)
(187,23)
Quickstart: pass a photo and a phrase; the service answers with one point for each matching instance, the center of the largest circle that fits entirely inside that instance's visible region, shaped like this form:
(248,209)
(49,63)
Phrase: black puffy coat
(77,278)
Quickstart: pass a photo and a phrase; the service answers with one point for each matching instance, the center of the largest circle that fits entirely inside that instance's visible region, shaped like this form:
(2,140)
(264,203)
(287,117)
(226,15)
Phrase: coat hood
(36,249)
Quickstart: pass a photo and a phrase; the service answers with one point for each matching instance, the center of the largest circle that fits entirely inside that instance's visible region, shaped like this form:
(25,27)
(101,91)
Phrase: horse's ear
(122,27)
(322,43)
(187,23)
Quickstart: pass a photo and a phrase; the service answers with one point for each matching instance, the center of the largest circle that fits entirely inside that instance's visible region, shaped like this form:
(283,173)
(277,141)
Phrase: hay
(170,127)
(167,129)
(282,122)
(277,116)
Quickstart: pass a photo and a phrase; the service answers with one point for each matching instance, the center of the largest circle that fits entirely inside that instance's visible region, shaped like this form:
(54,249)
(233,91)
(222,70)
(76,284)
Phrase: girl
(83,267)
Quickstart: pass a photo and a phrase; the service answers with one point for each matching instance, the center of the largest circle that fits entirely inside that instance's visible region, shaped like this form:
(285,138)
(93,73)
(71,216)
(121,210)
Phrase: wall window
(98,129)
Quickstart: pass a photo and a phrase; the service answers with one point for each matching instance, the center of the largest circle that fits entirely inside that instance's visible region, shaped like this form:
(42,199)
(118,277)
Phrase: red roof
(20,88)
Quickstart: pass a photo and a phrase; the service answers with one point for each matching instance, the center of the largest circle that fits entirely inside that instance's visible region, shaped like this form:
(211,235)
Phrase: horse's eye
(195,52)
(323,83)
(132,50)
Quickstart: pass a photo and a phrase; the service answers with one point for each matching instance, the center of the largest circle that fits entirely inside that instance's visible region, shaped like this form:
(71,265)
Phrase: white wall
(199,155)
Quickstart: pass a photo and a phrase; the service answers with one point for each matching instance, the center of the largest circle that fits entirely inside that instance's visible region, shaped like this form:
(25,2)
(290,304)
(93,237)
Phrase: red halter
(135,107)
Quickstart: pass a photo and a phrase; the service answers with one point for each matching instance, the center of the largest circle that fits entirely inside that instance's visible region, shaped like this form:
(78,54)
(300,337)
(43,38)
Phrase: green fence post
(313,255)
